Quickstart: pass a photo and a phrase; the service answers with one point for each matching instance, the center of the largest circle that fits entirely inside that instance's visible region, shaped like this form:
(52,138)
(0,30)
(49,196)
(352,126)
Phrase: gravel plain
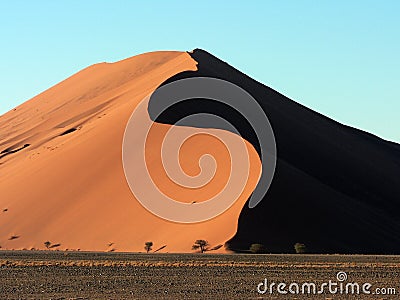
(93,275)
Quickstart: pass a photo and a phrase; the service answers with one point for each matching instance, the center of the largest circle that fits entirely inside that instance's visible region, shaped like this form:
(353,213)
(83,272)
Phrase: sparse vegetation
(300,248)
(258,249)
(201,245)
(47,244)
(148,246)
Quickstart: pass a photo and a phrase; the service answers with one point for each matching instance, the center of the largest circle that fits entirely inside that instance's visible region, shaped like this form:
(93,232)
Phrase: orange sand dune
(61,172)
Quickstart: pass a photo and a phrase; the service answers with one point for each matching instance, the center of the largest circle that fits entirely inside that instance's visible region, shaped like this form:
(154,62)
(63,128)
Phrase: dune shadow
(12,150)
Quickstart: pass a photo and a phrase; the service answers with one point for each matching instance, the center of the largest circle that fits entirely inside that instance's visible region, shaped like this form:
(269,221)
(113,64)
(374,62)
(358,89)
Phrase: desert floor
(89,275)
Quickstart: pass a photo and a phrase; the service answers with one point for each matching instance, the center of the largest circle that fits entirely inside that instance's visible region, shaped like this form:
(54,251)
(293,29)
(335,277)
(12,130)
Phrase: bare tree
(201,245)
(148,246)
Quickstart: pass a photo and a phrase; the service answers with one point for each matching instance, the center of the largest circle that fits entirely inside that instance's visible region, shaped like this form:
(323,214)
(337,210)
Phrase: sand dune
(335,189)
(61,173)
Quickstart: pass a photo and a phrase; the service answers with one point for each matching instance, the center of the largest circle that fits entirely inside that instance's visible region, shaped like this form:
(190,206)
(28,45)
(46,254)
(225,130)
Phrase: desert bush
(47,244)
(300,248)
(258,249)
(148,246)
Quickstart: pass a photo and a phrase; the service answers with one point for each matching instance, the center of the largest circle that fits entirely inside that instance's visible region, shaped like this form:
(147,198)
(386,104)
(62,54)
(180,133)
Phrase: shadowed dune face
(335,189)
(61,173)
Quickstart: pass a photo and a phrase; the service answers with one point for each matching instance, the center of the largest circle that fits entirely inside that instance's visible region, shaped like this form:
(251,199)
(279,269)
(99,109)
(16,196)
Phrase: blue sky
(340,58)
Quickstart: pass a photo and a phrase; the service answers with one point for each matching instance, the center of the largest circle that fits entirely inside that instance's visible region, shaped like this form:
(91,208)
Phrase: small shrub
(258,249)
(148,246)
(47,244)
(300,248)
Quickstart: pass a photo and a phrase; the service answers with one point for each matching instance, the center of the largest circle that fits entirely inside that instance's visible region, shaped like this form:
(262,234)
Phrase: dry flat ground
(89,275)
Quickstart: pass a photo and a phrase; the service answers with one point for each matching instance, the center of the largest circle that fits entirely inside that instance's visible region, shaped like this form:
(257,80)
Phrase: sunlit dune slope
(61,171)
